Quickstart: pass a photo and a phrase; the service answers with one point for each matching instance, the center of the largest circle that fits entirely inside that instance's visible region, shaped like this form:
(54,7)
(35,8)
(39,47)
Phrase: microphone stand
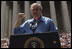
(33,27)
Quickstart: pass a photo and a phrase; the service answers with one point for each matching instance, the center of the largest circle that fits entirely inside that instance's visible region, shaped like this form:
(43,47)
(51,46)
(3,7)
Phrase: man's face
(35,11)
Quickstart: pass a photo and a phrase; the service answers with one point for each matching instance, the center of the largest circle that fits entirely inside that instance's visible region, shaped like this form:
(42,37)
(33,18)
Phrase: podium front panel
(39,40)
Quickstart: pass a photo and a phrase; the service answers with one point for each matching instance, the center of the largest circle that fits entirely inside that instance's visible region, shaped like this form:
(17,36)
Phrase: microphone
(33,26)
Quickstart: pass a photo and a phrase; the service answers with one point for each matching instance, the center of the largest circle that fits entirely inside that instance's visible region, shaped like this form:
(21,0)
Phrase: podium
(38,40)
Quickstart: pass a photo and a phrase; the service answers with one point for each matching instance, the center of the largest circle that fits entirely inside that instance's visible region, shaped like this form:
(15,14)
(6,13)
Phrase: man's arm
(52,26)
(18,21)
(18,29)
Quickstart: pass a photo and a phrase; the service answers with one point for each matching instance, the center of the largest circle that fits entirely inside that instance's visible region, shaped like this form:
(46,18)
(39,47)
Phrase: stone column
(15,14)
(39,2)
(27,10)
(10,22)
(7,21)
(53,12)
(65,15)
(3,14)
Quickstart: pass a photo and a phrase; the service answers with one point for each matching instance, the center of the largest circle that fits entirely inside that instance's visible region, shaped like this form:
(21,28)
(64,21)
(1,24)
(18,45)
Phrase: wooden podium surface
(39,40)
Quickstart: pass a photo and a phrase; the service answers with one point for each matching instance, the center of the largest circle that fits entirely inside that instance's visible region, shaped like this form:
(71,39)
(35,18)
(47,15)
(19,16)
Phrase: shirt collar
(41,18)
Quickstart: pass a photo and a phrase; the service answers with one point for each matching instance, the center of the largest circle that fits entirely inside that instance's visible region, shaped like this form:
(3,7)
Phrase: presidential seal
(34,42)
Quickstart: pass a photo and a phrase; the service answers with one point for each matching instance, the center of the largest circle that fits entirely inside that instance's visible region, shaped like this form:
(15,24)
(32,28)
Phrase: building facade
(59,11)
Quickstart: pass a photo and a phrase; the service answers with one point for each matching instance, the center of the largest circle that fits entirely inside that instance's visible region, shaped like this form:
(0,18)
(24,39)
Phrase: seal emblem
(34,42)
